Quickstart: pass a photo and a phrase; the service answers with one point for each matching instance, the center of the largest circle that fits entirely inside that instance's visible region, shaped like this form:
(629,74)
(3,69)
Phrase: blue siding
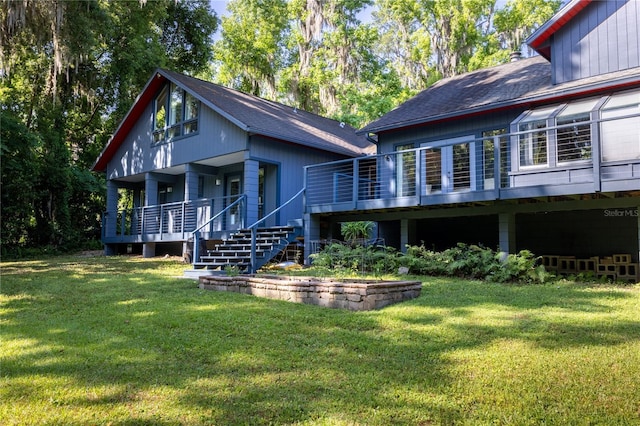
(291,160)
(463,127)
(603,38)
(216,136)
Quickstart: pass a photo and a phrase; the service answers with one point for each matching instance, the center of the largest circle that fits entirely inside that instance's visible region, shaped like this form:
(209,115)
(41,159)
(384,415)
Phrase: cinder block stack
(587,265)
(615,267)
(606,268)
(625,270)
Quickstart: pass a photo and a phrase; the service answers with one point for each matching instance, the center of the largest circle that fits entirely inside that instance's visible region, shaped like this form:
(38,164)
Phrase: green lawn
(121,340)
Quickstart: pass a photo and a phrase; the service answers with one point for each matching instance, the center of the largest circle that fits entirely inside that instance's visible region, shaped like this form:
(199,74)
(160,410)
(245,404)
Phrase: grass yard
(121,340)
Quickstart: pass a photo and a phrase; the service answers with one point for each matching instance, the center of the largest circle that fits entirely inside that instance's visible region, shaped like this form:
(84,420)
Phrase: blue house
(540,153)
(192,158)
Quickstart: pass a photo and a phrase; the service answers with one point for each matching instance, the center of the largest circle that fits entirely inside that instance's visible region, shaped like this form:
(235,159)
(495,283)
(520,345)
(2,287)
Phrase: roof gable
(540,39)
(250,113)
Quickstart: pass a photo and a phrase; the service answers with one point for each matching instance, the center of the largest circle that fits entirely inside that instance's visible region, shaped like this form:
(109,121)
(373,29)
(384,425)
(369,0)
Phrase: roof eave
(129,120)
(336,149)
(591,89)
(158,78)
(540,38)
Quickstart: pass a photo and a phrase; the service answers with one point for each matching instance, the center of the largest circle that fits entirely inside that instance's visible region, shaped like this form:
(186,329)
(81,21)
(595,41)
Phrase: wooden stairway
(236,250)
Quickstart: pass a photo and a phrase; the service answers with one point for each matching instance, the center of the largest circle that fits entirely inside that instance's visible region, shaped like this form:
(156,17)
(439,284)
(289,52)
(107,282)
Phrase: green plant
(475,262)
(232,270)
(353,232)
(356,259)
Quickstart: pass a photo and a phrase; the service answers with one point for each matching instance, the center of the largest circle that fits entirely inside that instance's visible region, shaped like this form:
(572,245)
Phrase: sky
(220,6)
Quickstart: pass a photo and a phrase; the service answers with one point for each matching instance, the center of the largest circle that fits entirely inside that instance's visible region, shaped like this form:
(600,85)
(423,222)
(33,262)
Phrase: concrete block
(621,258)
(608,270)
(586,265)
(550,263)
(567,264)
(627,271)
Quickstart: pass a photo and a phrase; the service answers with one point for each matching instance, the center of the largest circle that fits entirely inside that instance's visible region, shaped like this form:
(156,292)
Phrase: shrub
(462,261)
(475,262)
(356,259)
(356,231)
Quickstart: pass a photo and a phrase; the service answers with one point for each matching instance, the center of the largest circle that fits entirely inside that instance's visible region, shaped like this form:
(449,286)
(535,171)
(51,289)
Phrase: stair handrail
(195,234)
(254,228)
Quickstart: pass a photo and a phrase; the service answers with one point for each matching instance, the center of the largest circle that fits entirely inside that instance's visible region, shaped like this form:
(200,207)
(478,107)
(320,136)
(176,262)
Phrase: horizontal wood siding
(216,136)
(603,38)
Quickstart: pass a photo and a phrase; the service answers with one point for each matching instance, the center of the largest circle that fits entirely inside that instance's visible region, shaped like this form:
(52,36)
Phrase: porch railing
(577,157)
(239,204)
(254,228)
(172,220)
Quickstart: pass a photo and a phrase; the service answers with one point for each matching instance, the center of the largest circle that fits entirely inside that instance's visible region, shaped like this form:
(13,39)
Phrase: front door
(448,166)
(233,191)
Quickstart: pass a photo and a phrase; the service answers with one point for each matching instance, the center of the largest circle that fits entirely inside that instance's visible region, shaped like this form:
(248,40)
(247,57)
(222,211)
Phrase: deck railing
(409,174)
(172,220)
(572,157)
(254,228)
(239,204)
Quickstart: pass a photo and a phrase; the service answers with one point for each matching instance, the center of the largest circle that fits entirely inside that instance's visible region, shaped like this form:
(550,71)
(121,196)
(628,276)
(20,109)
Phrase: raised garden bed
(352,294)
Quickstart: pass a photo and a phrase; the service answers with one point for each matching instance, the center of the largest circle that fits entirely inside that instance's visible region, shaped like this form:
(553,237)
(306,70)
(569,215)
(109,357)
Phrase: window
(433,163)
(407,171)
(574,131)
(182,117)
(532,141)
(200,186)
(488,156)
(191,108)
(620,128)
(450,165)
(460,174)
(160,116)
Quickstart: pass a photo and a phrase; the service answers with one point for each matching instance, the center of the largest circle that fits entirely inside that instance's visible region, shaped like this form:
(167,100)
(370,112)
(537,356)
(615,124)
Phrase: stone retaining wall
(355,295)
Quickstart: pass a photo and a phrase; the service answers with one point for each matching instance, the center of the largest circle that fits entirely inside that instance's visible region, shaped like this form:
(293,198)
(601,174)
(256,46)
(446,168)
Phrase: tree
(69,72)
(519,18)
(404,41)
(251,52)
(329,42)
(18,171)
(187,30)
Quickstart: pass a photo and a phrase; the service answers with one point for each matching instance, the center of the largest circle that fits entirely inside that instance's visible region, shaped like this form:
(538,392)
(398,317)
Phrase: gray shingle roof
(272,119)
(525,82)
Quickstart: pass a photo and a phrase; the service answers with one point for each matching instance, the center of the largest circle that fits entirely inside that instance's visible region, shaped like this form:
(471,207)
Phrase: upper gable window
(175,114)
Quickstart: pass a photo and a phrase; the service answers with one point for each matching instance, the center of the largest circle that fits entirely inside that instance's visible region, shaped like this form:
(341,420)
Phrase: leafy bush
(475,262)
(354,231)
(355,259)
(463,261)
(520,267)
